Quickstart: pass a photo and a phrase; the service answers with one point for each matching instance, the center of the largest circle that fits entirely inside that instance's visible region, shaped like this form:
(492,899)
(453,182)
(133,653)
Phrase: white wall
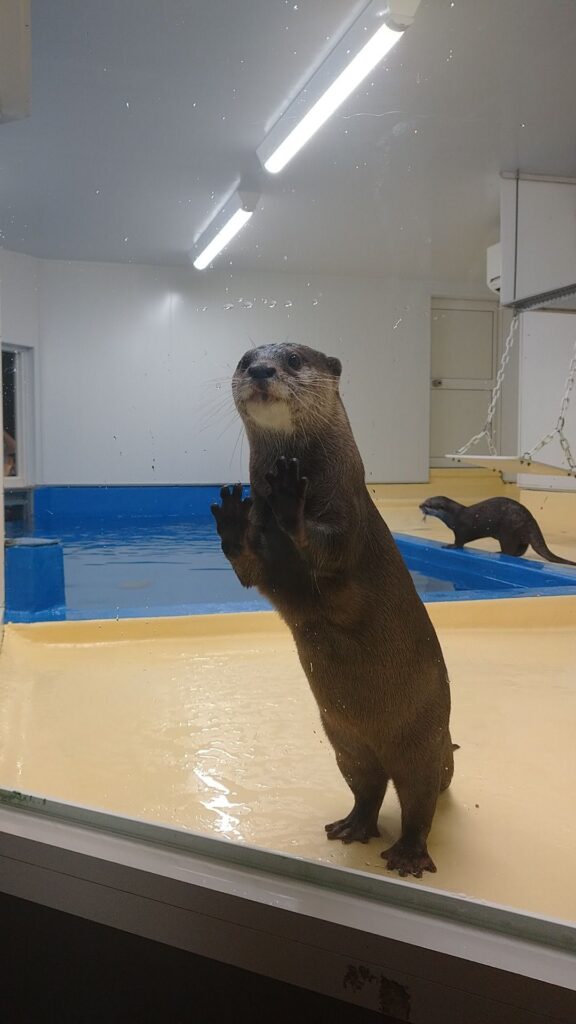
(546,346)
(136,365)
(133,366)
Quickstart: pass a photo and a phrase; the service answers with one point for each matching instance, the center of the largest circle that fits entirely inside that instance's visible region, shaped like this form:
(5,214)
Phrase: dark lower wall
(59,969)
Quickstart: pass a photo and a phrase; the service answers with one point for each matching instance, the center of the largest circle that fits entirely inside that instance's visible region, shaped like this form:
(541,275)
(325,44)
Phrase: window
(9,414)
(17,416)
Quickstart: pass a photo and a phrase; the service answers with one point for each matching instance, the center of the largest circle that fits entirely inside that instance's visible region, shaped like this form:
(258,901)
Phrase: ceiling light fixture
(231,217)
(368,40)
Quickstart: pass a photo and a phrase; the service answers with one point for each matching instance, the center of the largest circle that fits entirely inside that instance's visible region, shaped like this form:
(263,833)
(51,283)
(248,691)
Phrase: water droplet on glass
(287,304)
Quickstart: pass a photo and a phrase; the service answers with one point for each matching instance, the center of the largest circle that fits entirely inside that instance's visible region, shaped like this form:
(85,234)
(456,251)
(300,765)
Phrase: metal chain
(488,430)
(558,431)
(559,428)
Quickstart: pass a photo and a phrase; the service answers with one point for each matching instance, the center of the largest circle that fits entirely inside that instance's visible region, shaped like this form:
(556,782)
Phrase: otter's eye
(244,363)
(294,361)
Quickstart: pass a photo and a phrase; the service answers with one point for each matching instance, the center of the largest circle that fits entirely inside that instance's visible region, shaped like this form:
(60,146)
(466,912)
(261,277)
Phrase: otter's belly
(377,695)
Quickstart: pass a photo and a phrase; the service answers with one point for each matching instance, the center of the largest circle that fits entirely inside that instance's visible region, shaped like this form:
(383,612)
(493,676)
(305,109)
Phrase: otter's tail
(541,548)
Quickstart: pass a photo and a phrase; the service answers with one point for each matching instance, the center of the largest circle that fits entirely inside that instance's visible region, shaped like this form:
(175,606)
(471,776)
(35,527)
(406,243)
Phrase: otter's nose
(261,371)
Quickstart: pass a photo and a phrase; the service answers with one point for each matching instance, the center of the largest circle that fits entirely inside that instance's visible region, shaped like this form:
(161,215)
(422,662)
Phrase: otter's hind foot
(355,828)
(408,859)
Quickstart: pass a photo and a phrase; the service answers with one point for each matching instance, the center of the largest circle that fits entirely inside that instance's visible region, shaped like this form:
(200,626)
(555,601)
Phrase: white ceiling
(145,112)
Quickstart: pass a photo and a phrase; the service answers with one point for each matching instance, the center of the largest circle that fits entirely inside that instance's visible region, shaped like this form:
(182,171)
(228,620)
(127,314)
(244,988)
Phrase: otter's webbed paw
(232,519)
(287,495)
(355,828)
(408,859)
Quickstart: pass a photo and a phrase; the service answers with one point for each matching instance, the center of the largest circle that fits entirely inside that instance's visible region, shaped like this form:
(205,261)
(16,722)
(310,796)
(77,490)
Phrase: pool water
(177,568)
(160,569)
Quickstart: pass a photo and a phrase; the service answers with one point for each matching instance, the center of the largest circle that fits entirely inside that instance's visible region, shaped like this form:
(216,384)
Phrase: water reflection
(226,823)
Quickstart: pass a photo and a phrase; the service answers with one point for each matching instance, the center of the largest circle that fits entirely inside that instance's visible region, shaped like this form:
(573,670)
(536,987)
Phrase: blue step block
(34,579)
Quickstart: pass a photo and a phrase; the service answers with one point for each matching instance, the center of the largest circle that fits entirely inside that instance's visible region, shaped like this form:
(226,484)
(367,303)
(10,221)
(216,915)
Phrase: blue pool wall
(66,505)
(119,539)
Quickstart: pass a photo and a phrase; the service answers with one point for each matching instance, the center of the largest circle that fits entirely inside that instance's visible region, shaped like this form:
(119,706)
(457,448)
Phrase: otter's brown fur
(312,541)
(506,520)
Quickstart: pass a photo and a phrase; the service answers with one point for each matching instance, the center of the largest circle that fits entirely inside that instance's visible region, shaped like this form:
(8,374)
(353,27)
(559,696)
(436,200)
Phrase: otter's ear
(334,365)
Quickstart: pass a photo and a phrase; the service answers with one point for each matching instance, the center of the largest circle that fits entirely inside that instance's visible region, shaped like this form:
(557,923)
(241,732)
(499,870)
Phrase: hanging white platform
(511,464)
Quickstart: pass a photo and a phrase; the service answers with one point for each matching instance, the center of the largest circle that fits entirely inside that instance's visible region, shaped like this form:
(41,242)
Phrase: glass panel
(235,672)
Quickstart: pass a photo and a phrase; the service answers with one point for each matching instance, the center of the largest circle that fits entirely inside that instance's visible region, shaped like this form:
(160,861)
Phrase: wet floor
(207,723)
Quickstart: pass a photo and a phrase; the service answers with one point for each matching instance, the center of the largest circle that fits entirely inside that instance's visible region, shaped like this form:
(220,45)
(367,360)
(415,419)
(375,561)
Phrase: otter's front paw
(232,519)
(287,496)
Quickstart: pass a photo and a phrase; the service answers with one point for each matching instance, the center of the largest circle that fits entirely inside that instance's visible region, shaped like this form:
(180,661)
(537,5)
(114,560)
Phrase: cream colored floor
(208,723)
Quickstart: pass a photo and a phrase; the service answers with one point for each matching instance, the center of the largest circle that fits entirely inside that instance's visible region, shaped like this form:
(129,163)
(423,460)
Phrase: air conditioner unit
(494,267)
(538,243)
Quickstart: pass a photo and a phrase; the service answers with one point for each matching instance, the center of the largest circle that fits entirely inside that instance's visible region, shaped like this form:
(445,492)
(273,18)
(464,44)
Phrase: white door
(463,368)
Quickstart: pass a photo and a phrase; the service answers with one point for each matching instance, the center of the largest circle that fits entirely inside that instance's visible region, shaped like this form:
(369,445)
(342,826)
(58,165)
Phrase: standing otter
(505,520)
(312,541)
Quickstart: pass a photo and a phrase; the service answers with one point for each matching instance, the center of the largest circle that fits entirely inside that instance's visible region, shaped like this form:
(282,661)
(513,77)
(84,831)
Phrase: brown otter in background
(507,521)
(312,541)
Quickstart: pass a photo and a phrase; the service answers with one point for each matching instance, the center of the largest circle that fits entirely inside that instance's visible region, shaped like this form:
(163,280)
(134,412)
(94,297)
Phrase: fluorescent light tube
(335,80)
(225,235)
(361,66)
(235,213)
